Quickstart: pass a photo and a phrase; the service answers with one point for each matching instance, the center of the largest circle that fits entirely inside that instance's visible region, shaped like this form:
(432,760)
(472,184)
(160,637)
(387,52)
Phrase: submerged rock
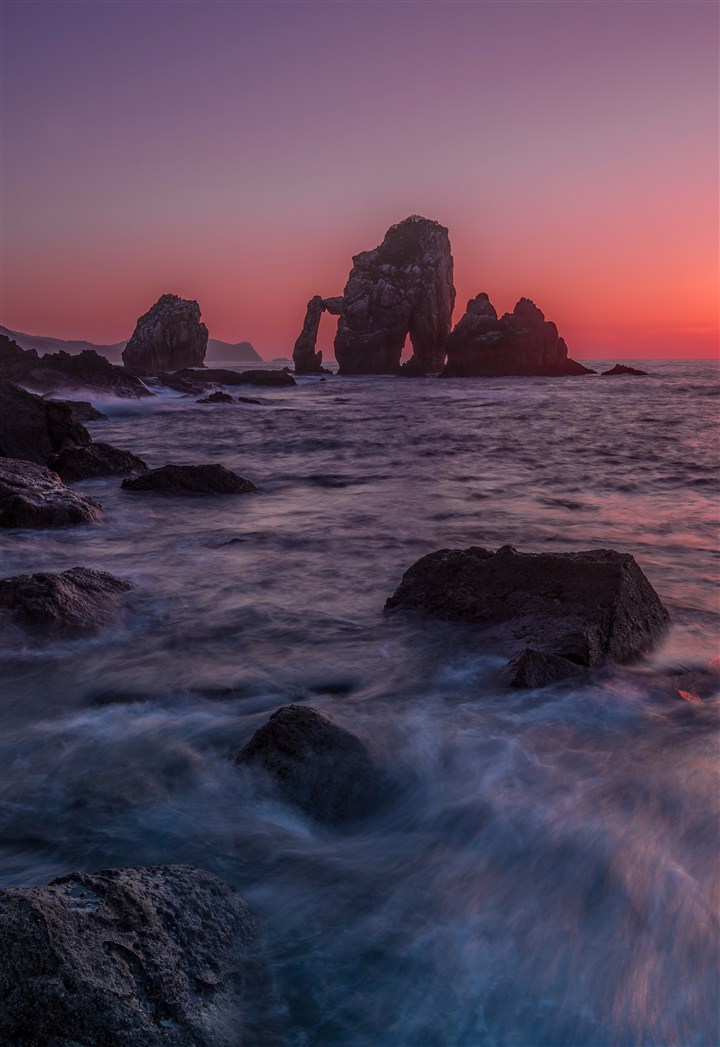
(167,337)
(163,956)
(623,369)
(533,668)
(218,398)
(34,428)
(317,765)
(77,602)
(586,606)
(221,376)
(519,343)
(61,370)
(31,496)
(403,287)
(82,463)
(190,479)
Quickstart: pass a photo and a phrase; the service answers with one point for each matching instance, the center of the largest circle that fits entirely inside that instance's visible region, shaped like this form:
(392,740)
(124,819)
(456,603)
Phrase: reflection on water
(548,875)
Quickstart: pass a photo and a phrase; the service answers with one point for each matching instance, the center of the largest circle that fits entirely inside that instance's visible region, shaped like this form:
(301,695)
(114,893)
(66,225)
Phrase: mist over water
(548,873)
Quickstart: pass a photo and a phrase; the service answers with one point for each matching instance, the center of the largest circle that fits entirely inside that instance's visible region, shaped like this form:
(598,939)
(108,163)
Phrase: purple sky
(240,153)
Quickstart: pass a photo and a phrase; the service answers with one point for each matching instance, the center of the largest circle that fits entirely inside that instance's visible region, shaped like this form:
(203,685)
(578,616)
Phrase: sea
(548,872)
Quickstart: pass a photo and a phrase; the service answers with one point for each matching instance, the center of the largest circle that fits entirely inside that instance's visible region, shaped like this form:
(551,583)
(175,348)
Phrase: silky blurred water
(548,874)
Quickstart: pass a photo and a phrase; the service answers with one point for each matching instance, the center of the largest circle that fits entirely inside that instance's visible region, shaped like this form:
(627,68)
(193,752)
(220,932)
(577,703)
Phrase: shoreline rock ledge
(78,602)
(585,607)
(168,337)
(162,956)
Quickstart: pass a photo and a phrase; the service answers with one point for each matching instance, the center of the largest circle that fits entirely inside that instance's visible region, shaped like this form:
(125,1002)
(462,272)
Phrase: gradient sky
(240,153)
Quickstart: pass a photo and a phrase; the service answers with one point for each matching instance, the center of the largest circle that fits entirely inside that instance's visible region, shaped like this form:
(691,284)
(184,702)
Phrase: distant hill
(228,352)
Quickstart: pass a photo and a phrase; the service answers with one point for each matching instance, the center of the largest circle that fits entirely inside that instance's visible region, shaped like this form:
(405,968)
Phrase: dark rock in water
(83,410)
(403,287)
(585,606)
(77,602)
(533,668)
(520,343)
(31,496)
(179,384)
(167,337)
(623,369)
(221,376)
(163,956)
(33,428)
(317,765)
(190,479)
(306,360)
(82,463)
(412,369)
(218,398)
(61,370)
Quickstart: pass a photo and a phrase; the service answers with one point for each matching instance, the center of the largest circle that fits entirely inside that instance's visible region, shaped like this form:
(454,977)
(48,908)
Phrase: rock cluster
(519,343)
(163,956)
(169,336)
(34,428)
(317,765)
(584,607)
(190,479)
(403,287)
(61,370)
(75,603)
(32,496)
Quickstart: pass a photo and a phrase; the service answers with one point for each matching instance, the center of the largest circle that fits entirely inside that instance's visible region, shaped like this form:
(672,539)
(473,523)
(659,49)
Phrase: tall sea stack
(167,337)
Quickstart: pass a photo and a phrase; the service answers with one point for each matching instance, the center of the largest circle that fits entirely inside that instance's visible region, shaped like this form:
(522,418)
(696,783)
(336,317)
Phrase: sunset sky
(240,153)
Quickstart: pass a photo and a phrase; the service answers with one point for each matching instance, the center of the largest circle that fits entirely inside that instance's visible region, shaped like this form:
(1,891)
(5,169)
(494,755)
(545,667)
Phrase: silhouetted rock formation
(317,765)
(86,370)
(520,343)
(623,369)
(75,603)
(306,360)
(33,428)
(158,956)
(82,463)
(586,607)
(222,376)
(190,479)
(31,496)
(404,286)
(167,337)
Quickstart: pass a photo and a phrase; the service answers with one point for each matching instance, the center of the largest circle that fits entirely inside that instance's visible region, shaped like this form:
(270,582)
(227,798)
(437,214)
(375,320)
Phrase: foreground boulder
(160,957)
(75,603)
(61,370)
(403,287)
(82,463)
(167,337)
(33,428)
(519,343)
(83,410)
(623,369)
(585,607)
(190,479)
(317,765)
(31,496)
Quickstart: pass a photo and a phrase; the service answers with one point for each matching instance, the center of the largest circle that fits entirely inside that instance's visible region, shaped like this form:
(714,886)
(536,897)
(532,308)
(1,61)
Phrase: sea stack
(403,287)
(519,343)
(305,358)
(168,337)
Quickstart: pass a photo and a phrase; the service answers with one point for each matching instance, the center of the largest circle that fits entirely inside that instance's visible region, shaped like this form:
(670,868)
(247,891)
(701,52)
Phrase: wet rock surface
(586,607)
(167,337)
(162,956)
(82,463)
(519,343)
(77,602)
(83,410)
(533,668)
(218,398)
(623,369)
(316,764)
(61,370)
(32,496)
(34,428)
(403,287)
(224,376)
(190,479)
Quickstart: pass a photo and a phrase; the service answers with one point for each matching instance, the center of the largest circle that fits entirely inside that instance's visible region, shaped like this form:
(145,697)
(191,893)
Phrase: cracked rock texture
(168,337)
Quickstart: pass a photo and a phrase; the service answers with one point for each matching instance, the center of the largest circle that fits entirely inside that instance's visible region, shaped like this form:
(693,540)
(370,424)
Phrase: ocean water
(548,873)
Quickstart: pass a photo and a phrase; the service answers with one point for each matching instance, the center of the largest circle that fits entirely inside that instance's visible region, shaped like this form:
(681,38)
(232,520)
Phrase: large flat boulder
(75,603)
(83,463)
(190,479)
(585,607)
(31,496)
(34,428)
(167,337)
(224,376)
(163,956)
(317,765)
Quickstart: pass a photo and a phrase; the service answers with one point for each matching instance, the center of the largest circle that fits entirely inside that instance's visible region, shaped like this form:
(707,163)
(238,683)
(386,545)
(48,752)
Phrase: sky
(241,153)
